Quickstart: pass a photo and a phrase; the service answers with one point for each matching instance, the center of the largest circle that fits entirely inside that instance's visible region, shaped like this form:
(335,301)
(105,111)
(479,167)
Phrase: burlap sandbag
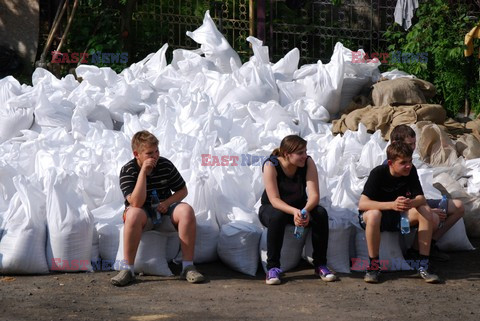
(468,146)
(402,91)
(434,145)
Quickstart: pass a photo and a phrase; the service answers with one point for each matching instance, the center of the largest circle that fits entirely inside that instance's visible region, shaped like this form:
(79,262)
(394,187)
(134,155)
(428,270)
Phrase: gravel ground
(228,295)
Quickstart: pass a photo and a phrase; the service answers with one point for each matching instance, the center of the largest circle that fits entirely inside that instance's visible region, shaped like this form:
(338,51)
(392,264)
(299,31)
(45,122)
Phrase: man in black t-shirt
(140,179)
(391,189)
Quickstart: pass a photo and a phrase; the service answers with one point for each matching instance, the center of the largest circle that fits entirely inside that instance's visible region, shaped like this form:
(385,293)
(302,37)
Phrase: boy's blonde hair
(143,138)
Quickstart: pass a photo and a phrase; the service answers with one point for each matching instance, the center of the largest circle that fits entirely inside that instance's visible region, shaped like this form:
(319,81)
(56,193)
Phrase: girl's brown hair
(290,144)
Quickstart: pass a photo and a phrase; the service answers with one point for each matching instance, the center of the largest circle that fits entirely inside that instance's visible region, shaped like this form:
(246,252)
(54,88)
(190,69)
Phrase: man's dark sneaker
(437,255)
(428,275)
(372,276)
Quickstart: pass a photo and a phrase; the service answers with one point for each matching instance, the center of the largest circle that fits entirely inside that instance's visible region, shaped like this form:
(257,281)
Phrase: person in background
(291,184)
(139,178)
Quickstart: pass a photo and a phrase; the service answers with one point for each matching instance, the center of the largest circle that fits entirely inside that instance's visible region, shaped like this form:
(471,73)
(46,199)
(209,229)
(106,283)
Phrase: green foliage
(440,32)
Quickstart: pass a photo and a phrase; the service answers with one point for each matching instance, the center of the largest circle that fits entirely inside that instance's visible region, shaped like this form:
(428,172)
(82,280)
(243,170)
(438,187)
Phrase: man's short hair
(400,132)
(398,149)
(143,138)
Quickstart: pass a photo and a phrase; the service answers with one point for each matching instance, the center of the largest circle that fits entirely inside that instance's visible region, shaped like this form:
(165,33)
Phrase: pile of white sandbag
(63,142)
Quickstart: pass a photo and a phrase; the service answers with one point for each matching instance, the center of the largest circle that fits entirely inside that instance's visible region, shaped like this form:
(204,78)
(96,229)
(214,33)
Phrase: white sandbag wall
(205,102)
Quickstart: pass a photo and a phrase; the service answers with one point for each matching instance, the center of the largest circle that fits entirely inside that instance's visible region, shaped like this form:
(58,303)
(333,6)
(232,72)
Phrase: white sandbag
(255,83)
(260,52)
(338,245)
(70,226)
(357,76)
(395,73)
(22,243)
(108,222)
(51,111)
(286,66)
(13,120)
(9,87)
(326,85)
(391,256)
(292,249)
(151,254)
(347,193)
(373,154)
(7,189)
(455,239)
(95,255)
(238,246)
(214,45)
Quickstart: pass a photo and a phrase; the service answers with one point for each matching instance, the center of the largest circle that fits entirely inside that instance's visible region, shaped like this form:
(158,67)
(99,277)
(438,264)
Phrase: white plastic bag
(22,245)
(238,246)
(70,226)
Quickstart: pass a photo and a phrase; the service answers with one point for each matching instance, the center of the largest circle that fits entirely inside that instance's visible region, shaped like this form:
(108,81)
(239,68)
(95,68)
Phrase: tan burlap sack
(434,145)
(402,91)
(468,146)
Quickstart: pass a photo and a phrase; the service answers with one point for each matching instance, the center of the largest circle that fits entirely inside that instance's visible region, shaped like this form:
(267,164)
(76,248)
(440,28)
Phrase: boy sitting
(391,189)
(455,209)
(145,173)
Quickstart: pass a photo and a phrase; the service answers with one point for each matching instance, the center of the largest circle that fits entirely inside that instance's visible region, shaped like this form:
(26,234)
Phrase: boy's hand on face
(402,204)
(149,164)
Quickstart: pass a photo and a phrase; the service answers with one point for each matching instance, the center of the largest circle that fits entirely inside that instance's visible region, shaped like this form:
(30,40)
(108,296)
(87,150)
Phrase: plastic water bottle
(156,217)
(298,233)
(404,223)
(443,205)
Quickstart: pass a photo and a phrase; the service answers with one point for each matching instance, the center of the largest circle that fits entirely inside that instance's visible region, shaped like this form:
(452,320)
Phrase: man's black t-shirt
(381,186)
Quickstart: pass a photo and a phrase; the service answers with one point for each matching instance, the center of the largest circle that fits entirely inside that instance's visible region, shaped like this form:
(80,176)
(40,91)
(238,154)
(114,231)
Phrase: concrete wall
(19,27)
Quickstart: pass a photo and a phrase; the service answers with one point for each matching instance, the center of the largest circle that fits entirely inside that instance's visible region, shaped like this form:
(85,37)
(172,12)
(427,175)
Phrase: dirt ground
(228,295)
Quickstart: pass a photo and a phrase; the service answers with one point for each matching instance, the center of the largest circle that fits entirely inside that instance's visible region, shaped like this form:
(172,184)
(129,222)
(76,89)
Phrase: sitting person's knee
(459,208)
(372,217)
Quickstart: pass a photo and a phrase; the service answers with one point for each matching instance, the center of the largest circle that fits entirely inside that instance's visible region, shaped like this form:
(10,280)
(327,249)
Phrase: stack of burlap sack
(441,141)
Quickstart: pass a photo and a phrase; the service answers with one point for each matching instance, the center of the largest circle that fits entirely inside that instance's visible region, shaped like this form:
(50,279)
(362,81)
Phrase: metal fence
(356,23)
(157,22)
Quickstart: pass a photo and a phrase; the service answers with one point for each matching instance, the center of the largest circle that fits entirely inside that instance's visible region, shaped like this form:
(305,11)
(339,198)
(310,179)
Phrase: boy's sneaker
(372,276)
(123,278)
(191,274)
(325,274)
(428,275)
(273,276)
